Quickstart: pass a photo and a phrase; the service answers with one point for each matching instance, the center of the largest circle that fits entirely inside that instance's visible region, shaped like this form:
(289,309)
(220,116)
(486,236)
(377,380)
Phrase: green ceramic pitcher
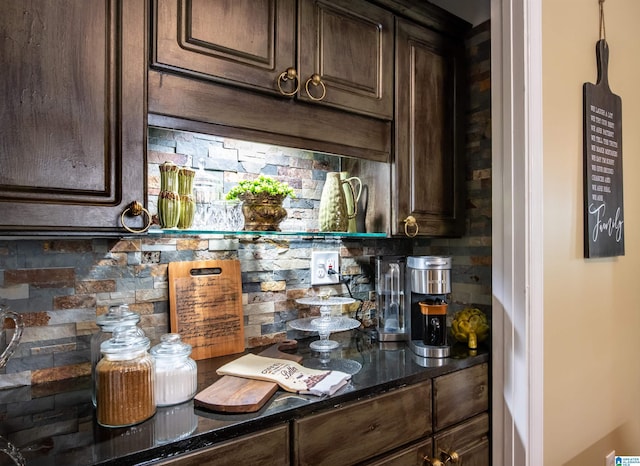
(334,214)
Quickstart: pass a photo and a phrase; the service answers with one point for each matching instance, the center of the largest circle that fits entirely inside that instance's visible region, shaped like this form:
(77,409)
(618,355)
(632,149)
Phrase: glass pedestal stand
(325,325)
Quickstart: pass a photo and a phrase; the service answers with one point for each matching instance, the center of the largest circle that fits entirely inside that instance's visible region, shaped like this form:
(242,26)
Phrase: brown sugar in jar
(126,377)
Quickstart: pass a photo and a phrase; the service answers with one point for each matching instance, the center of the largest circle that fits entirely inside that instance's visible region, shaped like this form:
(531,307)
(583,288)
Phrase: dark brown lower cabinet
(414,454)
(361,430)
(469,441)
(406,427)
(409,426)
(269,447)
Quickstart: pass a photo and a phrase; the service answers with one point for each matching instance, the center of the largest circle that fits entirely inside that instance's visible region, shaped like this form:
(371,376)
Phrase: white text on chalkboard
(610,226)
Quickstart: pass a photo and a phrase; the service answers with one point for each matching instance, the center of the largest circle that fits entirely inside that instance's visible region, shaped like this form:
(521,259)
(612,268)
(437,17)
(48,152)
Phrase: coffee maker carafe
(428,285)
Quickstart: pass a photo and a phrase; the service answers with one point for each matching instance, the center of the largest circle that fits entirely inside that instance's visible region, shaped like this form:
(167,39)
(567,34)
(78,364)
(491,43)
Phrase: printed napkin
(289,375)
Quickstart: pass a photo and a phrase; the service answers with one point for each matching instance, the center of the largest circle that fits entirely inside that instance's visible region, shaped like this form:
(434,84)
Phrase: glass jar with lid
(117,316)
(176,372)
(126,378)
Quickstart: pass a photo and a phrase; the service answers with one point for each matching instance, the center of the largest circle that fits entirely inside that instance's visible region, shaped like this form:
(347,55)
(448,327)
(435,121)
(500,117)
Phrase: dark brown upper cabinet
(347,47)
(73,121)
(242,42)
(430,102)
(336,53)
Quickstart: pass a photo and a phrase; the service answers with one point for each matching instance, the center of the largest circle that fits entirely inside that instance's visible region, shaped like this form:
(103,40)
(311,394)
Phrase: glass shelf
(300,234)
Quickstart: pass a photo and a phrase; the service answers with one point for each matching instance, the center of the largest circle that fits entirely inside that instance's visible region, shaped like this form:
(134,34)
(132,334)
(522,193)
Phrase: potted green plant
(262,202)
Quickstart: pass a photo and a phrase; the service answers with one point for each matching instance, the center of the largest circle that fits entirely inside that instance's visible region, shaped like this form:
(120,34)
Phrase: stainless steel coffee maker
(428,285)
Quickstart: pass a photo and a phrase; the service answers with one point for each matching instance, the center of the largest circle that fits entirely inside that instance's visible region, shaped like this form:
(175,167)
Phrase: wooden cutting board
(205,306)
(231,394)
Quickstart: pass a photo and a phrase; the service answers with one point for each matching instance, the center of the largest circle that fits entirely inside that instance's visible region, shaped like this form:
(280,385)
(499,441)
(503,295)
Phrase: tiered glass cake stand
(325,325)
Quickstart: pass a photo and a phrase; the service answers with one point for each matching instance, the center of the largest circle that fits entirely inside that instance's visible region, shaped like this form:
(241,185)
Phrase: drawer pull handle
(316,80)
(289,75)
(135,209)
(445,458)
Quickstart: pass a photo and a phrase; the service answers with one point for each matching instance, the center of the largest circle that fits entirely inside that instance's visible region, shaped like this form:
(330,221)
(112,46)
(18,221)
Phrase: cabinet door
(349,45)
(469,441)
(267,448)
(361,430)
(72,88)
(243,42)
(429,138)
(460,395)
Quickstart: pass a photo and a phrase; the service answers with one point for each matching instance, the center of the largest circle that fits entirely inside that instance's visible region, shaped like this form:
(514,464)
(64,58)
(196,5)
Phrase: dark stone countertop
(55,424)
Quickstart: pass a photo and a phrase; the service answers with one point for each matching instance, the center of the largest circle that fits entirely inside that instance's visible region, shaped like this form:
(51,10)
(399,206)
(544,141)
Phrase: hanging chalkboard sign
(603,202)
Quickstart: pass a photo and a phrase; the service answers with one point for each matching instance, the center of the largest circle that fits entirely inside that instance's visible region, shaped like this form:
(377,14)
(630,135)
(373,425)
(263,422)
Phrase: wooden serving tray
(231,394)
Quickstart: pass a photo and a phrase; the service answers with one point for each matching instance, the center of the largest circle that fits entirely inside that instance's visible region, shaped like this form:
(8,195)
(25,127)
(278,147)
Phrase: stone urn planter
(262,212)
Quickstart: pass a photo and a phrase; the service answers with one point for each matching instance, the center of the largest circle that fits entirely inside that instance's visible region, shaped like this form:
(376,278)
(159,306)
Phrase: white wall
(591,306)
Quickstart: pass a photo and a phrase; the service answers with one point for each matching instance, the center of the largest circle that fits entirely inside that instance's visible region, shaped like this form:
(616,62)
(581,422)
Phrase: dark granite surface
(55,424)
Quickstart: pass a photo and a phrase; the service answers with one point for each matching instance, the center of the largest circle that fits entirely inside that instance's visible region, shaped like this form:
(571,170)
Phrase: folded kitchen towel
(289,375)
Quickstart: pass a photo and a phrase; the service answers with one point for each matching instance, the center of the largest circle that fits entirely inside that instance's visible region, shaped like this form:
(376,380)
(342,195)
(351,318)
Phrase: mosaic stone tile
(42,278)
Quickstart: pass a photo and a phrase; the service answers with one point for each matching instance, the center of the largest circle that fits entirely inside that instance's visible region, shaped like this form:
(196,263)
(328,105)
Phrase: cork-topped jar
(126,378)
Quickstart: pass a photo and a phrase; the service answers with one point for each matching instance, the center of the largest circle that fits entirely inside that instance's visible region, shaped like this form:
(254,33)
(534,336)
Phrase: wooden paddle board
(205,306)
(602,151)
(231,394)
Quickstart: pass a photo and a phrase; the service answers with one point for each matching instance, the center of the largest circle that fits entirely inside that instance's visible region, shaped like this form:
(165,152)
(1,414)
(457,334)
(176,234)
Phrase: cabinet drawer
(268,447)
(460,395)
(361,430)
(410,456)
(469,440)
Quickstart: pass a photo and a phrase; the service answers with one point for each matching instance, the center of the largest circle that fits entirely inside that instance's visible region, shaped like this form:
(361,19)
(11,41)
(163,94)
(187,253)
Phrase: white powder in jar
(176,373)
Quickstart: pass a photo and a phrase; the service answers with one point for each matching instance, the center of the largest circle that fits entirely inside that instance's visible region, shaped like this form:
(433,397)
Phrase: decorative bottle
(168,197)
(187,201)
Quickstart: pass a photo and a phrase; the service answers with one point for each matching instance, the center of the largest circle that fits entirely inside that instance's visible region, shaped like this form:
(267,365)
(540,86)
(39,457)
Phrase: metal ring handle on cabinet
(410,222)
(289,75)
(135,209)
(316,80)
